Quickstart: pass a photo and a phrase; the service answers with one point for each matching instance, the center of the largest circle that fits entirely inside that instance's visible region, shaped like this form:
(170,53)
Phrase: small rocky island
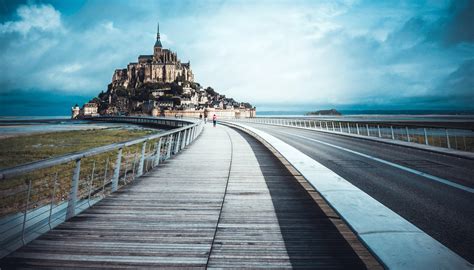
(331,112)
(161,85)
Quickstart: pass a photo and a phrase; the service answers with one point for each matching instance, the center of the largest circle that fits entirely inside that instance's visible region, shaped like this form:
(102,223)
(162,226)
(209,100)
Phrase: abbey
(160,85)
(161,67)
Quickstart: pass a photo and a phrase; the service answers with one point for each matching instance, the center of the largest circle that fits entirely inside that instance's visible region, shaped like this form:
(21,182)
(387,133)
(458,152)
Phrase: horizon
(347,55)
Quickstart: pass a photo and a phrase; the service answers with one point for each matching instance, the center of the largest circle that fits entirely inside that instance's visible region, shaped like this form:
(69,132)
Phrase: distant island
(325,112)
(161,85)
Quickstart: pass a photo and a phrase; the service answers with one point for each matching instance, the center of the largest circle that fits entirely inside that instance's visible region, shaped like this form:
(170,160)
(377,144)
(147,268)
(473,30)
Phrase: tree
(211,91)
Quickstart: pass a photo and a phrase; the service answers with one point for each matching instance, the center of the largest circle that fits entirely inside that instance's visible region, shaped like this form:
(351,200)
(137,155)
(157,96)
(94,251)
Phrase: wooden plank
(167,218)
(270,221)
(172,218)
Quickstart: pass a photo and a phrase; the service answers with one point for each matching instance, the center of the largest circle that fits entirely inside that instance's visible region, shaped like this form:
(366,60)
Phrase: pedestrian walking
(214,120)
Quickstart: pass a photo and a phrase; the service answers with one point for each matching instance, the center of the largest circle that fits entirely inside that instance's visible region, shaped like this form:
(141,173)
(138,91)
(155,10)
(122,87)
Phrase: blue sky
(274,54)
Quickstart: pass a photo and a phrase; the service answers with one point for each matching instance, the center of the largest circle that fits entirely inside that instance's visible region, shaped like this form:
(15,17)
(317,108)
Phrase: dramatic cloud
(327,53)
(42,17)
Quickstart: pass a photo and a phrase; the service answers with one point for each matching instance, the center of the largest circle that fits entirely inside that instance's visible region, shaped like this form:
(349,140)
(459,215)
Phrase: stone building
(90,109)
(75,111)
(161,67)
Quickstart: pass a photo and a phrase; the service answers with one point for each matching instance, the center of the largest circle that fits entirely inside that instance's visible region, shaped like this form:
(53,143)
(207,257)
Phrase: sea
(18,125)
(22,125)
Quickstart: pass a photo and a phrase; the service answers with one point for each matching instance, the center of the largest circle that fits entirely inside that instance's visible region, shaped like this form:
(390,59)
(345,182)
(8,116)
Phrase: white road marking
(426,175)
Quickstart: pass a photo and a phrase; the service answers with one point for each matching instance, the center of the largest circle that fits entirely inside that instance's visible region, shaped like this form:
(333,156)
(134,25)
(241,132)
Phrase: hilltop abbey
(160,85)
(163,66)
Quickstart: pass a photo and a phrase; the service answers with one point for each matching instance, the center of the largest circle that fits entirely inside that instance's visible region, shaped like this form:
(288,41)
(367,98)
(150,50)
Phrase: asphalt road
(444,211)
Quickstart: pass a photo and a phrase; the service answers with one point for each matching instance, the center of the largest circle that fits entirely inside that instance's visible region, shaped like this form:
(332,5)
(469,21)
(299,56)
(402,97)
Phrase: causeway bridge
(244,194)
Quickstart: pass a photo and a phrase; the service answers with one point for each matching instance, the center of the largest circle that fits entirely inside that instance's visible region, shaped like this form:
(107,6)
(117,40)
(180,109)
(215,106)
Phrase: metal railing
(440,137)
(38,196)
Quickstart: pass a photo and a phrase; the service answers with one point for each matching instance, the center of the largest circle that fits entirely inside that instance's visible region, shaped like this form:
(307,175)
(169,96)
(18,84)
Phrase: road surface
(440,203)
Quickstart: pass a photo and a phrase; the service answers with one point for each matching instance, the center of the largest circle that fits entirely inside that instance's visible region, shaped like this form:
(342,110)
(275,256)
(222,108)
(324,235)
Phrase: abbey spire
(158,41)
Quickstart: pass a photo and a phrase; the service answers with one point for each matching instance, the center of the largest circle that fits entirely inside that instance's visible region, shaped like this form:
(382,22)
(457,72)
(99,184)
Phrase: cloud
(460,83)
(459,27)
(41,17)
(325,52)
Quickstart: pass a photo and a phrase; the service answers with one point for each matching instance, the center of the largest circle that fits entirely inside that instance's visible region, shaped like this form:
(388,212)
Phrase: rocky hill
(160,84)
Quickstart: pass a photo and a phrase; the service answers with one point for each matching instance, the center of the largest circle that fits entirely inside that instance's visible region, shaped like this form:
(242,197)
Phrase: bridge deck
(226,201)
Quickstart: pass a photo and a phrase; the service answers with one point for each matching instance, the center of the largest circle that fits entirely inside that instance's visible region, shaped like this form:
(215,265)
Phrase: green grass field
(24,149)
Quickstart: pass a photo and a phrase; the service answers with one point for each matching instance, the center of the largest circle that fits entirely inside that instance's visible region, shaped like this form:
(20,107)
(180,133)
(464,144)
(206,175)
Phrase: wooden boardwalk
(226,201)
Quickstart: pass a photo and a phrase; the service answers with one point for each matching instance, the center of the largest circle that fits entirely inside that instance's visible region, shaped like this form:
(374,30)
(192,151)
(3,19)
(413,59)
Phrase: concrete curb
(396,242)
(439,150)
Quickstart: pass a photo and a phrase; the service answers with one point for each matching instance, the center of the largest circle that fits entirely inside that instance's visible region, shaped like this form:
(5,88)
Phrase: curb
(363,252)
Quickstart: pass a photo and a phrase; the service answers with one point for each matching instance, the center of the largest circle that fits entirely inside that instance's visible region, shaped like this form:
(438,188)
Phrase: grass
(24,149)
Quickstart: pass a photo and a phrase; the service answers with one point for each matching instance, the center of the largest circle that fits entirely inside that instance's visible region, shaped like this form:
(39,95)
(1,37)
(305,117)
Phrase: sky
(277,55)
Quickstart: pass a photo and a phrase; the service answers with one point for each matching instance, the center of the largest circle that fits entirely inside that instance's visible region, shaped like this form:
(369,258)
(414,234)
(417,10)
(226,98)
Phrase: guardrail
(38,196)
(440,137)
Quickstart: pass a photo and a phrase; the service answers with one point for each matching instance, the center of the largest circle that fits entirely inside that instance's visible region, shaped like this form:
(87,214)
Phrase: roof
(158,43)
(145,56)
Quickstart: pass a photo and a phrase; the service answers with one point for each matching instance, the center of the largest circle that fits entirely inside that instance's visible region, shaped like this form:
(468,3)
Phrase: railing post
(105,175)
(447,139)
(170,144)
(26,212)
(393,134)
(332,123)
(52,199)
(177,145)
(348,127)
(378,128)
(408,134)
(142,160)
(192,135)
(368,130)
(426,136)
(158,153)
(357,128)
(91,184)
(71,204)
(320,125)
(118,163)
(185,138)
(134,167)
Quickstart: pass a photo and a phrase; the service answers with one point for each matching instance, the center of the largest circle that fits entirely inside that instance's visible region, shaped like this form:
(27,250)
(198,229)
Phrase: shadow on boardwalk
(311,239)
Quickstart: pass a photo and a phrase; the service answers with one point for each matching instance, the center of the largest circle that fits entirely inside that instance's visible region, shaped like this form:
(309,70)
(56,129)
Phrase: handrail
(450,138)
(39,202)
(41,164)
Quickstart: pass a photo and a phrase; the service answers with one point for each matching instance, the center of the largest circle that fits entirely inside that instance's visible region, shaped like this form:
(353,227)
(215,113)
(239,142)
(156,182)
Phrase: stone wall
(221,114)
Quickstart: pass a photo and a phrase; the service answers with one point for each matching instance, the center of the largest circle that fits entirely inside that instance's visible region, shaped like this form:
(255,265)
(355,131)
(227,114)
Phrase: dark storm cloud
(460,83)
(458,26)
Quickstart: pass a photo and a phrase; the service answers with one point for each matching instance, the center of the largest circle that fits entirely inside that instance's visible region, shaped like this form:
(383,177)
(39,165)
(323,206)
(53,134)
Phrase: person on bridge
(214,120)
